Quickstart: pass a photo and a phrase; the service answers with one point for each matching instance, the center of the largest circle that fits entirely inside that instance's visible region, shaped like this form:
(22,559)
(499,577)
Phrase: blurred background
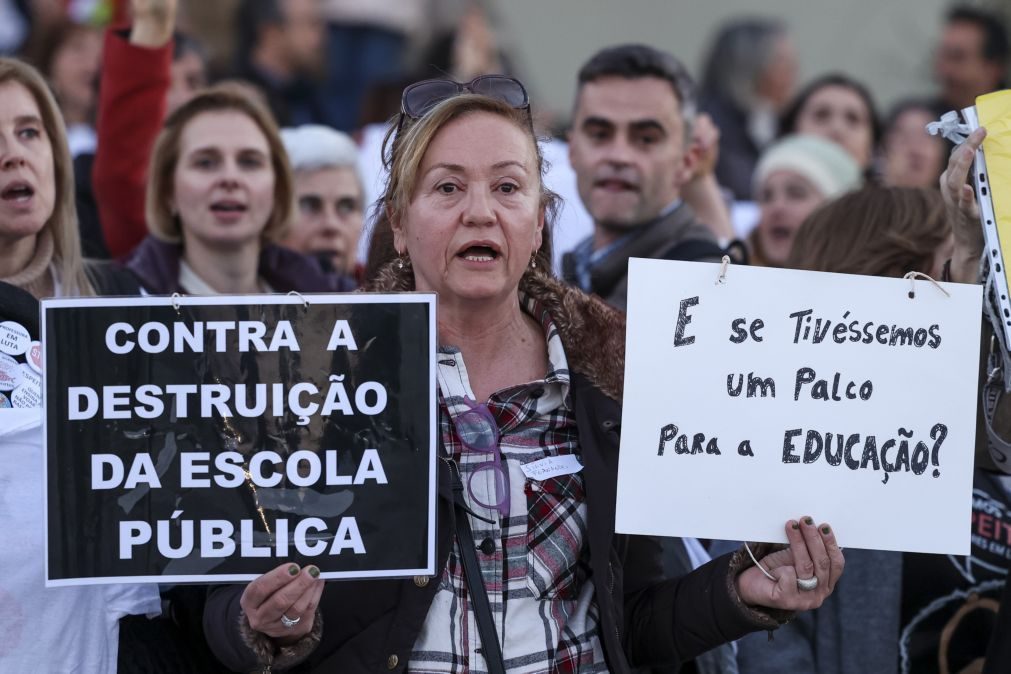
(887,45)
(762,70)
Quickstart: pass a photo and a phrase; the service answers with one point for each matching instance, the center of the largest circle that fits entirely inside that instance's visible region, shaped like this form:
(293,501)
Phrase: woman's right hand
(286,591)
(154,22)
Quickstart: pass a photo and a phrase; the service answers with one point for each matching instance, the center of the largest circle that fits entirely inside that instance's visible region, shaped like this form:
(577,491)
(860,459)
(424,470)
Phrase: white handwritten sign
(778,394)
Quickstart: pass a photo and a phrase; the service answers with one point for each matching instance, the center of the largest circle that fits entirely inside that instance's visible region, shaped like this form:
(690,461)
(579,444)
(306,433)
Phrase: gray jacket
(676,236)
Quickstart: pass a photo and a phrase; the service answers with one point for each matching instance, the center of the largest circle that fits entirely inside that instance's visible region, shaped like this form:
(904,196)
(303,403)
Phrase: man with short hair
(631,148)
(971,58)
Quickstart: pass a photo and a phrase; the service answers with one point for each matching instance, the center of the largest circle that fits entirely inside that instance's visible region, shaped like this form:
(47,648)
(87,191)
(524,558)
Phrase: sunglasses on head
(419,98)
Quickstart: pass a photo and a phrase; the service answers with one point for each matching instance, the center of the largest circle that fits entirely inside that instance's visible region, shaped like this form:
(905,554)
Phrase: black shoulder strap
(491,649)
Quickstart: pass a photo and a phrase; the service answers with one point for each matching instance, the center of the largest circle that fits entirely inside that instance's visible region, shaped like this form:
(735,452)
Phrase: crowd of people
(305,152)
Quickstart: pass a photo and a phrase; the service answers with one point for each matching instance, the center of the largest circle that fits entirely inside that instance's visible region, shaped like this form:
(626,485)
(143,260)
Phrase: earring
(402,260)
(533,261)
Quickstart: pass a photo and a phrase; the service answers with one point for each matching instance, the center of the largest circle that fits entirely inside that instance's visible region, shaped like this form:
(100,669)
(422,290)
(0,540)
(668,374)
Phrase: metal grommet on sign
(913,275)
(724,263)
(305,302)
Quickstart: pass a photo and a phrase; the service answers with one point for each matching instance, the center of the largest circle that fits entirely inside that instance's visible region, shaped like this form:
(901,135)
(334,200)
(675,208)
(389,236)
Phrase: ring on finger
(807,584)
(289,623)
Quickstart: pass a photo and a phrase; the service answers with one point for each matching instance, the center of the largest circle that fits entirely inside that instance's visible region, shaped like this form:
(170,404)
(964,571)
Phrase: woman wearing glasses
(532,577)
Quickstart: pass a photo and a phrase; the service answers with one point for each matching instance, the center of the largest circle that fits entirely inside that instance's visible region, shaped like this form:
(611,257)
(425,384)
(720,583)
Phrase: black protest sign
(211,439)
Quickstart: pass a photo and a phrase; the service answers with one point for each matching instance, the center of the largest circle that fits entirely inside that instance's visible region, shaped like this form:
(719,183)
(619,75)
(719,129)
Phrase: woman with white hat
(794,177)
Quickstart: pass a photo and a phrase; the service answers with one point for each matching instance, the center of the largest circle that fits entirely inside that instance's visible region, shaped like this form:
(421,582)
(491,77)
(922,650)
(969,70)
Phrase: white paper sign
(552,466)
(779,394)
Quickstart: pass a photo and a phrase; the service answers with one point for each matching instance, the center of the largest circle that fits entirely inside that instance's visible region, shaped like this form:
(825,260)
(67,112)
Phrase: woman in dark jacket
(529,369)
(219,195)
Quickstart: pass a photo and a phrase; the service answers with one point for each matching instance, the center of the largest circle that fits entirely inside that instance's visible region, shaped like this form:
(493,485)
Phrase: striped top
(535,562)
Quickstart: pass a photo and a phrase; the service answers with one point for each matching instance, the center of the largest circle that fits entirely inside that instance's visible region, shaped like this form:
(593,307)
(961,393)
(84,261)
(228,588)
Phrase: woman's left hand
(961,196)
(701,191)
(813,555)
(706,144)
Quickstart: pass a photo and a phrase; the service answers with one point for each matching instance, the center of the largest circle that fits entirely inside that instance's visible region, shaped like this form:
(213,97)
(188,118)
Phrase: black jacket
(155,264)
(644,620)
(998,657)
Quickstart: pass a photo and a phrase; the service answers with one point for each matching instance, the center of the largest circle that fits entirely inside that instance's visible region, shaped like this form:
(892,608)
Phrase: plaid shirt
(536,577)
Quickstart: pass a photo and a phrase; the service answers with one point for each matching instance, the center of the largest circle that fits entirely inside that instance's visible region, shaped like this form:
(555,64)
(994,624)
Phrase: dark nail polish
(808,521)
(314,572)
(825,530)
(293,570)
(795,525)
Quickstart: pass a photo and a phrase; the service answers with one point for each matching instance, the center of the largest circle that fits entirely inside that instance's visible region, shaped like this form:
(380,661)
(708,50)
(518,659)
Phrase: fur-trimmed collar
(592,332)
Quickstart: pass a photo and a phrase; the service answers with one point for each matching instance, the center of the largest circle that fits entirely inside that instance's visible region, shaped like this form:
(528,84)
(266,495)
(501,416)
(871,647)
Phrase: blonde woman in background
(44,629)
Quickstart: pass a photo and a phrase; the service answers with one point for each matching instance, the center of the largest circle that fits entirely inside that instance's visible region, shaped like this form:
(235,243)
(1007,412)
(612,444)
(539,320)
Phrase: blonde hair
(62,224)
(165,156)
(404,158)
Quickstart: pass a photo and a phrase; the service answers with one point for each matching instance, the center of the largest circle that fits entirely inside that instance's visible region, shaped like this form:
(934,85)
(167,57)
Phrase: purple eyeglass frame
(490,445)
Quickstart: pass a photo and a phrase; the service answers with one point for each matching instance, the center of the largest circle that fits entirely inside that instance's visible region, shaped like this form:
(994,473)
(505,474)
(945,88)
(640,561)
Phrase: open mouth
(479,254)
(17,192)
(228,207)
(780,233)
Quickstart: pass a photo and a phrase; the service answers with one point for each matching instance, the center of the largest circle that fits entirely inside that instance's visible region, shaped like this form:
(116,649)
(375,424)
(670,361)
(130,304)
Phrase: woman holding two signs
(528,369)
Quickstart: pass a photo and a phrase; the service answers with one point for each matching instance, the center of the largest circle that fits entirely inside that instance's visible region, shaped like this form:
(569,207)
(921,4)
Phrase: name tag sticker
(553,466)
